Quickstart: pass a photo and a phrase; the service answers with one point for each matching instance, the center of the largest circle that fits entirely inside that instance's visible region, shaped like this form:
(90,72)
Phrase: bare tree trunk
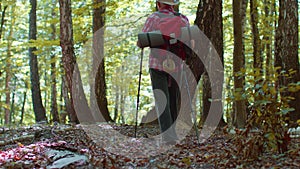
(98,47)
(286,51)
(203,14)
(12,105)
(79,109)
(209,19)
(238,64)
(267,45)
(257,54)
(54,110)
(121,119)
(24,102)
(39,110)
(2,19)
(7,84)
(67,102)
(23,106)
(256,36)
(116,109)
(68,58)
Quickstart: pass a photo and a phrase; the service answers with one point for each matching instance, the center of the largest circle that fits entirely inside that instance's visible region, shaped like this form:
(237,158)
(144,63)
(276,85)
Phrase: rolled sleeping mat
(187,33)
(151,39)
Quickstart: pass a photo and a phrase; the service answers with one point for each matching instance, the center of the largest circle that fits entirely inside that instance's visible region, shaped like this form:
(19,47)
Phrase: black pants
(166,94)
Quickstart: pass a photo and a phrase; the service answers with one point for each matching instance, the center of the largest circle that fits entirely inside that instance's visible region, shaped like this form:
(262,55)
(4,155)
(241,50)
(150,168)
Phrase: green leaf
(286,110)
(187,161)
(270,136)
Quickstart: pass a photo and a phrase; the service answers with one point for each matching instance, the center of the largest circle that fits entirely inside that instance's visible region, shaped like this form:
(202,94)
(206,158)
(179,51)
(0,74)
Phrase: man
(164,71)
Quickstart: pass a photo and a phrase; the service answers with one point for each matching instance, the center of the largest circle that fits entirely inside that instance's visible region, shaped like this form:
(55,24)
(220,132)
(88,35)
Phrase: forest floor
(64,146)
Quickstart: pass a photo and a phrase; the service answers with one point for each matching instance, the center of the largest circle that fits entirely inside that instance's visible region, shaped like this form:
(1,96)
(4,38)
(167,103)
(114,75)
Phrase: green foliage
(124,19)
(267,125)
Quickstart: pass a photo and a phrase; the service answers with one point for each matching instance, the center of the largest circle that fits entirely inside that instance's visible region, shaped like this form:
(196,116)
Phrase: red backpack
(170,26)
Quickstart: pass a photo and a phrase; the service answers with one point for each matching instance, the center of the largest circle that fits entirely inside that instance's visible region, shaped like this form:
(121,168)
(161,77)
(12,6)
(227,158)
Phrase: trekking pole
(190,100)
(138,95)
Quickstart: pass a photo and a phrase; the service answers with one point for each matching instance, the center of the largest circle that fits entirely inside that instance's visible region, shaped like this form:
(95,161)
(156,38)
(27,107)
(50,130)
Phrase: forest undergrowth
(64,146)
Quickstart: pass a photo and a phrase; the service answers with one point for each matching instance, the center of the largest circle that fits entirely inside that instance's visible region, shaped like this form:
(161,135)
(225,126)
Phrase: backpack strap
(149,39)
(162,14)
(177,13)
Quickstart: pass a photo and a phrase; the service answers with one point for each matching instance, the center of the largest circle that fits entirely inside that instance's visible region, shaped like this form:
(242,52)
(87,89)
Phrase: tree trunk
(267,45)
(8,82)
(257,55)
(238,64)
(79,109)
(209,19)
(98,47)
(122,120)
(2,19)
(12,118)
(257,65)
(23,106)
(54,110)
(116,109)
(39,110)
(67,46)
(286,51)
(7,69)
(67,102)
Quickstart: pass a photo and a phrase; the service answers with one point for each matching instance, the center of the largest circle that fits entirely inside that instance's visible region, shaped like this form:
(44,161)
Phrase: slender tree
(3,11)
(66,99)
(78,108)
(256,41)
(98,47)
(258,63)
(8,86)
(267,45)
(39,110)
(67,46)
(238,64)
(54,109)
(7,69)
(23,107)
(117,99)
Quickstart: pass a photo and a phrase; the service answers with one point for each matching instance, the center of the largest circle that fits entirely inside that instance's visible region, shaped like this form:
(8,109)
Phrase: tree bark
(116,109)
(267,45)
(238,64)
(209,20)
(2,19)
(98,48)
(39,110)
(79,110)
(286,51)
(67,107)
(12,118)
(256,36)
(23,106)
(8,77)
(54,109)
(67,46)
(122,111)
(257,51)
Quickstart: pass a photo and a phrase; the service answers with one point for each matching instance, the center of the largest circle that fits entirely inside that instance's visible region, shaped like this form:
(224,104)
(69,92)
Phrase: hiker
(163,70)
